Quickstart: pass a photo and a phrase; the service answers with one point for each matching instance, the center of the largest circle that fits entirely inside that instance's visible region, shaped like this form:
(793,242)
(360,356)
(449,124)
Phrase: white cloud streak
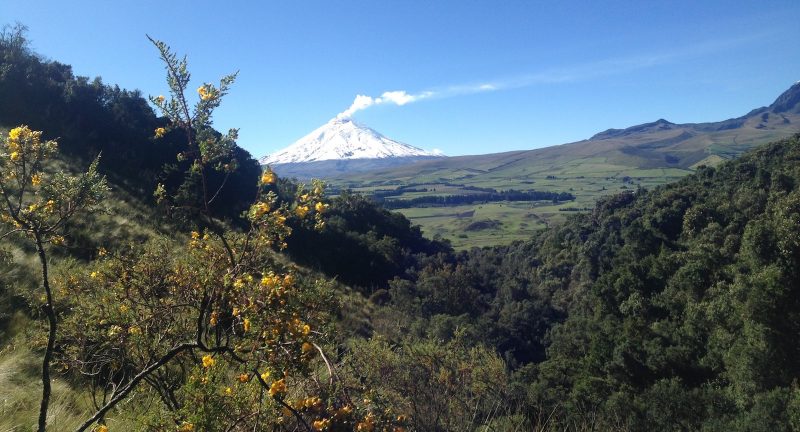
(582,72)
(396,97)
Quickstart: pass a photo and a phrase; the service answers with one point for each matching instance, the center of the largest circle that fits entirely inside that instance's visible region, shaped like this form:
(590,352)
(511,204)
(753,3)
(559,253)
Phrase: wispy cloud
(582,72)
(396,97)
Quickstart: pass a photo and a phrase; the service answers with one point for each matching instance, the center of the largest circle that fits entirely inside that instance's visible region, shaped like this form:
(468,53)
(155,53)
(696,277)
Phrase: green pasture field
(587,179)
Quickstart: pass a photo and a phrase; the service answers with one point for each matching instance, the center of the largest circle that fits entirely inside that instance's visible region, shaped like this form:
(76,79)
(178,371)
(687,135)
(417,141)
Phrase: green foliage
(670,309)
(445,386)
(385,243)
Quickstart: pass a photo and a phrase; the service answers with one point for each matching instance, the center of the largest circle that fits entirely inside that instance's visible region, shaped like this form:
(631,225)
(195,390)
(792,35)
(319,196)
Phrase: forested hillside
(675,309)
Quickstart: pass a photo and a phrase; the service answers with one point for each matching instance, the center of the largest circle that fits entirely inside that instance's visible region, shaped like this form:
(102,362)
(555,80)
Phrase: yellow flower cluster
(101,428)
(22,140)
(159,132)
(16,133)
(277,388)
(312,200)
(197,240)
(309,402)
(208,361)
(366,425)
(300,327)
(268,177)
(325,416)
(206,92)
(301,211)
(270,280)
(186,427)
(321,424)
(214,318)
(259,209)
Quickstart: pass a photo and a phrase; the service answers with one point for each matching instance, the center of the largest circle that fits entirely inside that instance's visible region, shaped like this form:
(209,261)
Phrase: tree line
(454,200)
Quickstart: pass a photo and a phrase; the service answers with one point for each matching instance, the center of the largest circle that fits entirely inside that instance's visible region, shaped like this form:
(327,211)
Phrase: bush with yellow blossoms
(223,334)
(37,204)
(207,149)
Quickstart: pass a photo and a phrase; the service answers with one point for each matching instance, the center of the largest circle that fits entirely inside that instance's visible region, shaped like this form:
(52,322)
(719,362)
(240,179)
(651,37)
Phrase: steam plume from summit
(397,97)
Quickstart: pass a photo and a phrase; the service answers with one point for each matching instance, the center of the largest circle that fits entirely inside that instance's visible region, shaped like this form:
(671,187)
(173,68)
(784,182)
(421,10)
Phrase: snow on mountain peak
(343,138)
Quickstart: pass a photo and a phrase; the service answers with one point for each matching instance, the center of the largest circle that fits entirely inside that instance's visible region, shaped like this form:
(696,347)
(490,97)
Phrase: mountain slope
(343,139)
(660,144)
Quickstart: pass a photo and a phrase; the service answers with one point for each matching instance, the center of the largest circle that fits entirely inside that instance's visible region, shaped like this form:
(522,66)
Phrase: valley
(617,160)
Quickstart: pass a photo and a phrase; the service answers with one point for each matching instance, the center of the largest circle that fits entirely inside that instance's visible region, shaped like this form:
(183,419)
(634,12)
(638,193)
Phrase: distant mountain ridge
(658,144)
(789,101)
(654,145)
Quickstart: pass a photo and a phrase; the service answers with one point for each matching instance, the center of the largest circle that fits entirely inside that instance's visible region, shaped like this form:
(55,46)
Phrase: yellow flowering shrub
(268,177)
(226,336)
(39,204)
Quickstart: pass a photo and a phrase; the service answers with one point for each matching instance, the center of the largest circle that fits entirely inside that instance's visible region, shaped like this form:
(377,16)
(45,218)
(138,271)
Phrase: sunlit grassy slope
(124,220)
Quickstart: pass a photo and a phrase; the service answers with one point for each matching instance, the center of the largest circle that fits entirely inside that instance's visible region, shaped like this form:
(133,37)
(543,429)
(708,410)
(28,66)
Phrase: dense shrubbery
(362,245)
(671,309)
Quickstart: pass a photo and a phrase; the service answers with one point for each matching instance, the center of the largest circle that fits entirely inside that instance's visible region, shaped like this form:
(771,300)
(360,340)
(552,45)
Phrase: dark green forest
(673,309)
(676,308)
(453,200)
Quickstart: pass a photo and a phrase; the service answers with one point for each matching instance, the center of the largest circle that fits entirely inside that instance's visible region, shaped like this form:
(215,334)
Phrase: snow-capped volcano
(343,139)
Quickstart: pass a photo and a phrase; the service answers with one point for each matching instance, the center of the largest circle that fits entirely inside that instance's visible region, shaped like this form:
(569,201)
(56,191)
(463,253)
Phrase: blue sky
(494,75)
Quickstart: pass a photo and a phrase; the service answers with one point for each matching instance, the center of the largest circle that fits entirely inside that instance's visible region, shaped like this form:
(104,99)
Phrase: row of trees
(454,200)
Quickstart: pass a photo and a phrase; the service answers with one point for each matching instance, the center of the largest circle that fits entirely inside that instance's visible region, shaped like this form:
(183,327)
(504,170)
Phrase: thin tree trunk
(49,310)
